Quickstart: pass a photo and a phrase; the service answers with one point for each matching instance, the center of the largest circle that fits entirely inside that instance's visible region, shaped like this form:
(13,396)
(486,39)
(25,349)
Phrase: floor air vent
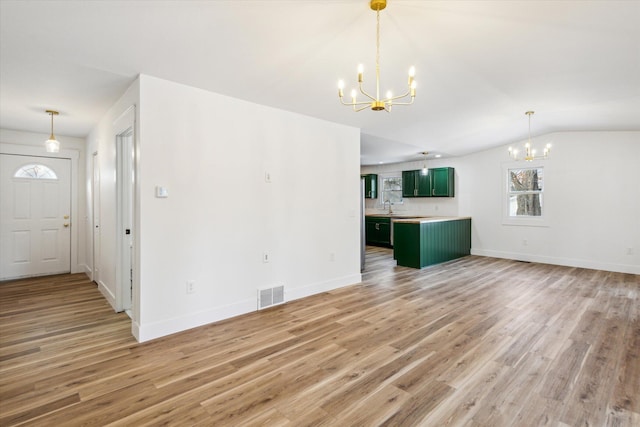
(270,296)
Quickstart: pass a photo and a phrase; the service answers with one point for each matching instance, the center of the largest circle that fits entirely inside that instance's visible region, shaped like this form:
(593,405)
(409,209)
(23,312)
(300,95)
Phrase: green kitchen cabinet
(415,184)
(378,231)
(422,243)
(438,182)
(442,182)
(370,186)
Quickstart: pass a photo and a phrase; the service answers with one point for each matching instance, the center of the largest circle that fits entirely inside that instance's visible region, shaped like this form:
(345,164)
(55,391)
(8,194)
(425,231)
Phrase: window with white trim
(391,190)
(35,171)
(525,192)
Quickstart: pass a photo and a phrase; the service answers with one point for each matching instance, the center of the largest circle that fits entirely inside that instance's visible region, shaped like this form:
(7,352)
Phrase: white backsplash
(419,206)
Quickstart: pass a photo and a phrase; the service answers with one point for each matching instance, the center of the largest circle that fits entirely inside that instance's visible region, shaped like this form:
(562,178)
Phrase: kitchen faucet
(385,204)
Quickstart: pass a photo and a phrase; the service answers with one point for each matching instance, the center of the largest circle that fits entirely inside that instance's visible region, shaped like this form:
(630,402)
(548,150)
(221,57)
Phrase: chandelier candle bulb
(360,72)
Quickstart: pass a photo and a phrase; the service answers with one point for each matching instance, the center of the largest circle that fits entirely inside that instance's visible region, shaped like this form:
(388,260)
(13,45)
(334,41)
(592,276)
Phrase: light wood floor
(475,342)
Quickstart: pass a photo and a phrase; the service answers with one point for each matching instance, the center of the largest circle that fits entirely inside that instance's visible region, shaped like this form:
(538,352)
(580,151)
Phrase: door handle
(66,224)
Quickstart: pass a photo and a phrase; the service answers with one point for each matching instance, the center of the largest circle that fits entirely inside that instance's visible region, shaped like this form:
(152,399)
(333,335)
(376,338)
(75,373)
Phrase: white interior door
(124,178)
(95,193)
(35,209)
(124,131)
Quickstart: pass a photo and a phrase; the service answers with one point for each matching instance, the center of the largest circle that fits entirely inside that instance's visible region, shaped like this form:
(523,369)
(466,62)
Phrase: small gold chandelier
(530,153)
(375,102)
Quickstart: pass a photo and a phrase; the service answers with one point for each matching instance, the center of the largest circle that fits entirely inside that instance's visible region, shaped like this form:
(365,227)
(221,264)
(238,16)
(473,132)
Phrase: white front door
(35,209)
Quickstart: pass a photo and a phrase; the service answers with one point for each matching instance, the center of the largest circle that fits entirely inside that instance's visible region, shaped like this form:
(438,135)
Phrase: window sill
(525,221)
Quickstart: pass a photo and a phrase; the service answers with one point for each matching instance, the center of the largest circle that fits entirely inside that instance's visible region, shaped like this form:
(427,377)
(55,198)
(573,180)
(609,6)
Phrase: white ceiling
(480,64)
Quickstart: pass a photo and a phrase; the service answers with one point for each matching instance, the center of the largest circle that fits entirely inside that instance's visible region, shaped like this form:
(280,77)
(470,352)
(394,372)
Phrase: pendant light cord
(377,54)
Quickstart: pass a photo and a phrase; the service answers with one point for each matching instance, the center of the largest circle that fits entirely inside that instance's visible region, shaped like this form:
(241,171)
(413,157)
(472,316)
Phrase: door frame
(74,157)
(124,131)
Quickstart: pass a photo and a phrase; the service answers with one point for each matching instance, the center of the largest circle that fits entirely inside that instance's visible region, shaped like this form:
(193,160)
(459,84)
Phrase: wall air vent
(268,297)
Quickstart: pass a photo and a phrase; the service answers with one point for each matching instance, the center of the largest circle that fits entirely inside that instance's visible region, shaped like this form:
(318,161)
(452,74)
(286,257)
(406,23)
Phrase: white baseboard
(79,268)
(135,330)
(110,297)
(162,328)
(146,332)
(569,262)
(316,288)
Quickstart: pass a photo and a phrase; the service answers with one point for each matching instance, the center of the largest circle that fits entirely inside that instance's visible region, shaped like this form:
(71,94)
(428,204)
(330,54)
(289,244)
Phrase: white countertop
(422,220)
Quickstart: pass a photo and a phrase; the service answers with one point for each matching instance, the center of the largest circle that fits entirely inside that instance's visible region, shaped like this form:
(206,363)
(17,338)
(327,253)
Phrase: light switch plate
(162,192)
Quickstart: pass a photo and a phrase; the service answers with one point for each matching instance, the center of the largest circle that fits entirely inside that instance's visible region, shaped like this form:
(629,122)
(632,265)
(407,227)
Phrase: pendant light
(424,171)
(52,144)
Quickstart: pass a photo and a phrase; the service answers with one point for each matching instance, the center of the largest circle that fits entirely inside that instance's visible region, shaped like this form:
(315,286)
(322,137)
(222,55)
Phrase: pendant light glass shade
(53,146)
(424,171)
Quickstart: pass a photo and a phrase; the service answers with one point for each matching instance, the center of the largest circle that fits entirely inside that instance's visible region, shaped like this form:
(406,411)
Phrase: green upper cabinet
(442,182)
(370,186)
(408,184)
(439,182)
(415,184)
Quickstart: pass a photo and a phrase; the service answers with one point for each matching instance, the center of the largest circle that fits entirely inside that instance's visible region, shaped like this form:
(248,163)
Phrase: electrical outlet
(332,256)
(267,177)
(265,257)
(191,286)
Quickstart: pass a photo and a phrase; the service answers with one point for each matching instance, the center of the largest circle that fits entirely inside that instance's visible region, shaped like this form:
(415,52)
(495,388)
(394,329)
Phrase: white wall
(211,152)
(592,198)
(30,143)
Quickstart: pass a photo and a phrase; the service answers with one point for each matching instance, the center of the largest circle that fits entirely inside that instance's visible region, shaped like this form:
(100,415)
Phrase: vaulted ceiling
(480,64)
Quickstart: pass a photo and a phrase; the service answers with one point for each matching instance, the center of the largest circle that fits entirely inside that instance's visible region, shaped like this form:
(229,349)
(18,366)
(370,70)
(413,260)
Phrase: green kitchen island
(420,242)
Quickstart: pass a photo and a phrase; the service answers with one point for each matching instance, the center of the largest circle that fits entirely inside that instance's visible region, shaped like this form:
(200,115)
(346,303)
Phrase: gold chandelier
(529,152)
(375,102)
